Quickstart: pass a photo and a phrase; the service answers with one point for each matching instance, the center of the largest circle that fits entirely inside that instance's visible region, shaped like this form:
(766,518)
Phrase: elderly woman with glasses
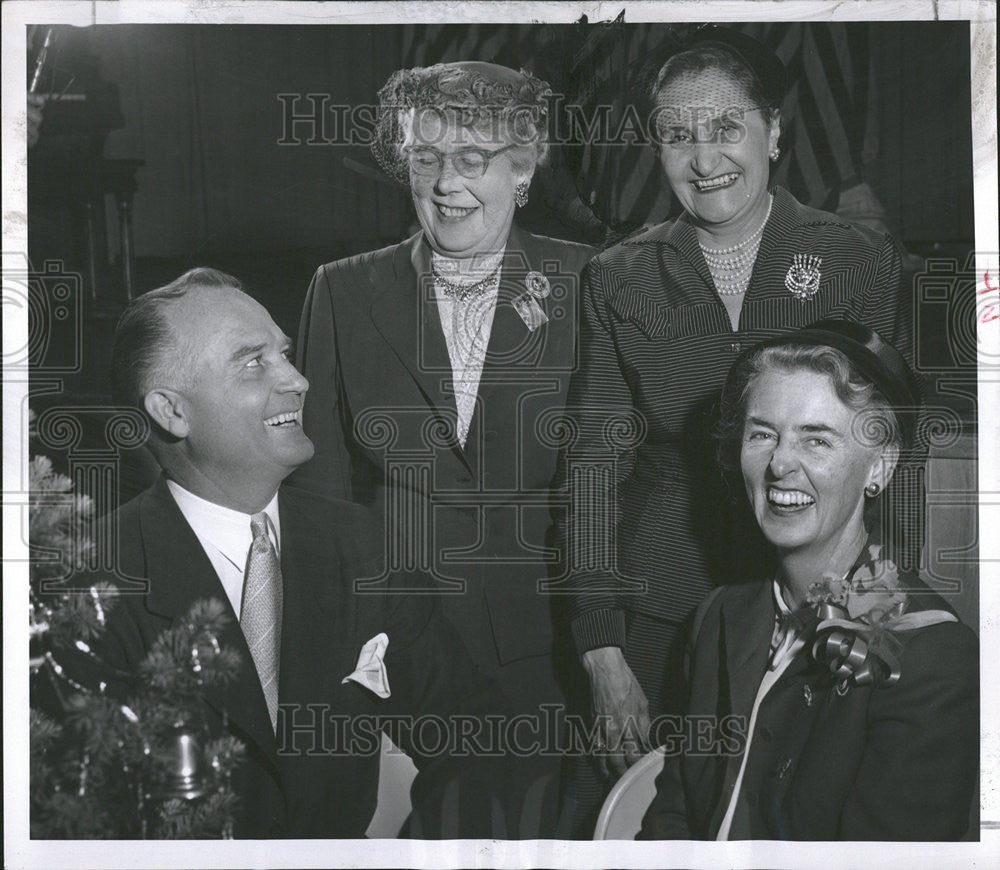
(834,697)
(438,370)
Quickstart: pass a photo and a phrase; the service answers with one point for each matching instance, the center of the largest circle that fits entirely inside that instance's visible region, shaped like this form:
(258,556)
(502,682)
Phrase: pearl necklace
(732,267)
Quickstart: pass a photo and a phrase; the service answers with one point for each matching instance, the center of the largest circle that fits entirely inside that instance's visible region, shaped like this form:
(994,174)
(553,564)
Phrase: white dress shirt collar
(226,528)
(225,536)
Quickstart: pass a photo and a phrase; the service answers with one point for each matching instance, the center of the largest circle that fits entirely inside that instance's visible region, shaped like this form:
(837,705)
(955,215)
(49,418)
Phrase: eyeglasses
(725,128)
(469,162)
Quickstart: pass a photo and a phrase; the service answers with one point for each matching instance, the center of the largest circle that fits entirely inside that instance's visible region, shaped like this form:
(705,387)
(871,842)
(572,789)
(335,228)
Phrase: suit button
(765,734)
(736,347)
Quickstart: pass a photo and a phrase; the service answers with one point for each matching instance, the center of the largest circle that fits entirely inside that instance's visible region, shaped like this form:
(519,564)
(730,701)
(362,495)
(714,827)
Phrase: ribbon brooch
(802,278)
(526,305)
(858,621)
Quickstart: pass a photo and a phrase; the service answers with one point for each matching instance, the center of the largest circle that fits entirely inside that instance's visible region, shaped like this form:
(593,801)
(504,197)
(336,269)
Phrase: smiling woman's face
(462,217)
(804,469)
(715,148)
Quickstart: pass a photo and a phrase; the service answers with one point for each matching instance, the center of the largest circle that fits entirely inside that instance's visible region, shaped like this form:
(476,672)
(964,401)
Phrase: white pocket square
(370,671)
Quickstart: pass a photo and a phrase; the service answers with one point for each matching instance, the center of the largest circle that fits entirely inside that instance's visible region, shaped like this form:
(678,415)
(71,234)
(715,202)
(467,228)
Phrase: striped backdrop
(827,118)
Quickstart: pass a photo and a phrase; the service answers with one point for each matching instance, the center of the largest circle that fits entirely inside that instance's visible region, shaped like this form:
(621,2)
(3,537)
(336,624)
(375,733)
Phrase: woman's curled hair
(510,107)
(875,423)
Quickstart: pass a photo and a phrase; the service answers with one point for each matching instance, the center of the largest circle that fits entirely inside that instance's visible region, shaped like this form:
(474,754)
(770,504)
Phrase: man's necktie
(260,612)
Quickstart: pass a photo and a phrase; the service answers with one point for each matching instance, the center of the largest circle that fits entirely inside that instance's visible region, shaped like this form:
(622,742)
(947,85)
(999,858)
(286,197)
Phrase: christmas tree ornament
(185,776)
(116,754)
(38,640)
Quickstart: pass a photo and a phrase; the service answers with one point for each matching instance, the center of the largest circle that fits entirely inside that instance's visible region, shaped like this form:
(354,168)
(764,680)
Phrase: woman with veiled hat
(837,696)
(664,315)
(438,369)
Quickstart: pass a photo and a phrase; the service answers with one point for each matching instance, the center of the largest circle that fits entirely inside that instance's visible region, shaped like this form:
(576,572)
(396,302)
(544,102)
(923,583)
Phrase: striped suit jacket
(656,345)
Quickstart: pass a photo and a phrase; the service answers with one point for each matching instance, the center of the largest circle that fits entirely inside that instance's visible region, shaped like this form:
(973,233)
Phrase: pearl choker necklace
(732,267)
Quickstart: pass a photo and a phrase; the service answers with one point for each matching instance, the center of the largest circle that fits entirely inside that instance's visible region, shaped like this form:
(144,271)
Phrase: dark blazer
(372,347)
(896,762)
(331,790)
(656,346)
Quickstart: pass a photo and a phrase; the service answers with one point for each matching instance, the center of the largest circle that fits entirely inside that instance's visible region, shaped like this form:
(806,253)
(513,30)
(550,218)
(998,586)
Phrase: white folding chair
(396,773)
(621,815)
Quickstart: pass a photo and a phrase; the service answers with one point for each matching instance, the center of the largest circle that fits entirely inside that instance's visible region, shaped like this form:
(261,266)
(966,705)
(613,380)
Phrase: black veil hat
(873,357)
(755,56)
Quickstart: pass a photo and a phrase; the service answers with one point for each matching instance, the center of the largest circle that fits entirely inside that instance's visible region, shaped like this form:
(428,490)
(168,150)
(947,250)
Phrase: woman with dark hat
(434,365)
(665,313)
(842,692)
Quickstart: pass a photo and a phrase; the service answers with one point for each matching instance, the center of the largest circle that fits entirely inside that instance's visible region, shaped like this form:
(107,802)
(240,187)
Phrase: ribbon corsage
(526,305)
(370,671)
(856,636)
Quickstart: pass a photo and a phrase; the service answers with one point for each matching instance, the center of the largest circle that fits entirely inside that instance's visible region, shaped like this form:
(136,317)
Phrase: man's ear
(166,408)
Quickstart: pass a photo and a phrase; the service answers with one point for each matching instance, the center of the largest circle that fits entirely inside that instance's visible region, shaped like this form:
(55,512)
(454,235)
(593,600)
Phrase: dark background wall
(221,183)
(202,109)
(200,106)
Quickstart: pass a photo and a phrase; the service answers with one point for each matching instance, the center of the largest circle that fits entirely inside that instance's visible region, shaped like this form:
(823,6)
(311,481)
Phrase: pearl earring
(872,490)
(774,154)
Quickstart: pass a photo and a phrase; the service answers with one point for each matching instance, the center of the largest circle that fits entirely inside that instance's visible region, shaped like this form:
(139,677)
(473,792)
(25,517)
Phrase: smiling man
(213,374)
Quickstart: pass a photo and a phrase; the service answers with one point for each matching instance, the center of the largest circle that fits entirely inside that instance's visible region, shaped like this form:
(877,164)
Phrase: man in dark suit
(213,373)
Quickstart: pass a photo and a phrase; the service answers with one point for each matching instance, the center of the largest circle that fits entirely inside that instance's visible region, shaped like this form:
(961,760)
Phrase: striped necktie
(260,611)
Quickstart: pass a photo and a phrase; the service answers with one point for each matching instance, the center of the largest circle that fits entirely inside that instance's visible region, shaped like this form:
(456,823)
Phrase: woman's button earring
(872,490)
(774,154)
(521,194)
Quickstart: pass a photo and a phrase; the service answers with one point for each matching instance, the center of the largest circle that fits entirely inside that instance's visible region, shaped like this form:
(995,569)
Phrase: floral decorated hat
(474,91)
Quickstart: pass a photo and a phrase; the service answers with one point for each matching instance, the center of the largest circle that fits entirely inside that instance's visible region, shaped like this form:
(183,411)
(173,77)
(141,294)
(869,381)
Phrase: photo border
(20,851)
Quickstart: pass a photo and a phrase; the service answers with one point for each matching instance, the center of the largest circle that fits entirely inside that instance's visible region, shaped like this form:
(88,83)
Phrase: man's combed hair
(144,342)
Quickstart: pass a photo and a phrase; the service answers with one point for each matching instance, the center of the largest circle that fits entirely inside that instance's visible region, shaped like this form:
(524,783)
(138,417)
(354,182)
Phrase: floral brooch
(858,622)
(526,305)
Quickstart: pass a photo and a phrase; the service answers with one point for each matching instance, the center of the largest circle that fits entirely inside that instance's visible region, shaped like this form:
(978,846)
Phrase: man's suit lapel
(405,313)
(179,574)
(319,614)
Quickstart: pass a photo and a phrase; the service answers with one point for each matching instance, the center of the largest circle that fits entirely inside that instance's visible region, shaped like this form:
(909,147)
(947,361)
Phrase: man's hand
(620,703)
